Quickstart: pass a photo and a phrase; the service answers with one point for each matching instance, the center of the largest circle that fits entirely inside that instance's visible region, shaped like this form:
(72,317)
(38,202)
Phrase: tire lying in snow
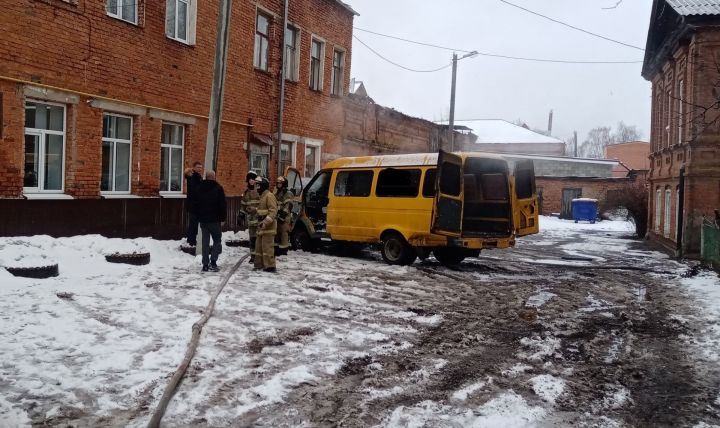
(237,243)
(188,249)
(35,271)
(130,258)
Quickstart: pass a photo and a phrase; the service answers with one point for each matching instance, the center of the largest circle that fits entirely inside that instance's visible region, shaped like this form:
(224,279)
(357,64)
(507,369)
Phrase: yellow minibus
(449,204)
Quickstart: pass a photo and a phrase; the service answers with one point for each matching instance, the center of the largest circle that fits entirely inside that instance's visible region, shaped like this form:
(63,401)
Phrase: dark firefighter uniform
(248,206)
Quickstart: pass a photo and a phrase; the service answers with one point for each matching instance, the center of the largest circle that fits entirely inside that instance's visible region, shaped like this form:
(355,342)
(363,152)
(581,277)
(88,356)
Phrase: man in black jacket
(194,178)
(211,209)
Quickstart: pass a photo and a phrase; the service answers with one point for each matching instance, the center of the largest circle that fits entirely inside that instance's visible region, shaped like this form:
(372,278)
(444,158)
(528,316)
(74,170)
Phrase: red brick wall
(79,49)
(693,141)
(595,188)
(635,155)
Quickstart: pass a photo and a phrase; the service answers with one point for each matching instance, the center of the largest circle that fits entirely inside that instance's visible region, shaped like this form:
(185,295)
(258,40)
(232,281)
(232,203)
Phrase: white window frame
(258,65)
(182,155)
(267,163)
(294,74)
(681,110)
(678,214)
(293,152)
(42,133)
(115,142)
(339,89)
(321,76)
(119,9)
(668,212)
(189,25)
(317,144)
(658,209)
(668,119)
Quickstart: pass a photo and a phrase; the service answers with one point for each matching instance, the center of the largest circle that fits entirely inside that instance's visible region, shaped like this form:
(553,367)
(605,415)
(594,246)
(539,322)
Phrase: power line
(412,41)
(571,26)
(399,65)
(493,55)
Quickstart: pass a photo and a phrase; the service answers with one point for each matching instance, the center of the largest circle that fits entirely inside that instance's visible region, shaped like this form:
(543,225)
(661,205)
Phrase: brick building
(682,62)
(632,156)
(108,100)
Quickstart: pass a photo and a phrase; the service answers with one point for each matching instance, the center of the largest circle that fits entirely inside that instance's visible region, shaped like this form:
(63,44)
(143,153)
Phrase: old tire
(449,256)
(300,239)
(395,250)
(237,243)
(188,249)
(136,259)
(38,272)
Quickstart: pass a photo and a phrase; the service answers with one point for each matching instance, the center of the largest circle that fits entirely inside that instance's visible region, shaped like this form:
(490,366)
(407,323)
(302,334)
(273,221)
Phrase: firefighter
(248,208)
(284,217)
(267,209)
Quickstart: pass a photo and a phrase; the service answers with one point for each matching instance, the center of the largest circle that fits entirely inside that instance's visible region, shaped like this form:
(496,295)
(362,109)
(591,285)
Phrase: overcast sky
(582,96)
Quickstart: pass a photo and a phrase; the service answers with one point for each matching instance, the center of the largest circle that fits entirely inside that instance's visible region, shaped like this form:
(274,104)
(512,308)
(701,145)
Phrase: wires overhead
(488,54)
(571,26)
(399,65)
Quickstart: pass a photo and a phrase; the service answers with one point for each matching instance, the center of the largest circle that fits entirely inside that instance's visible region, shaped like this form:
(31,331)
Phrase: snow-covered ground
(97,344)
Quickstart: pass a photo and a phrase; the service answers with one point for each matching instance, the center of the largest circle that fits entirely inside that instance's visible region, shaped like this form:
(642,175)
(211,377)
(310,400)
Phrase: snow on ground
(109,348)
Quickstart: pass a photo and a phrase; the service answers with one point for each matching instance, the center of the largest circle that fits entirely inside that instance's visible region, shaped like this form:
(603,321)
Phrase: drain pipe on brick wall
(281,107)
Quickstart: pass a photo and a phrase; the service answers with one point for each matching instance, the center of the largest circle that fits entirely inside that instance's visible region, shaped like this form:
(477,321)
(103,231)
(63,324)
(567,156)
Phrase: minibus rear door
(295,185)
(525,208)
(448,206)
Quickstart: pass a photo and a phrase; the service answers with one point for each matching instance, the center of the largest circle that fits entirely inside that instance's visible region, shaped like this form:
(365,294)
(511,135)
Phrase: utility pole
(218,86)
(281,108)
(550,120)
(451,126)
(575,139)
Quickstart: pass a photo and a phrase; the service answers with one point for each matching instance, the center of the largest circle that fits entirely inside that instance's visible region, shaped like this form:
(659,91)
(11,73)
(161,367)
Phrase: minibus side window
(429,183)
(450,179)
(353,183)
(399,183)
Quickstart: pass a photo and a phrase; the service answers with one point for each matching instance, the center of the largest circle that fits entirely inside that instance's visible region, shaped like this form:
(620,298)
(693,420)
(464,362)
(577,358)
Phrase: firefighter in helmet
(248,209)
(284,217)
(267,209)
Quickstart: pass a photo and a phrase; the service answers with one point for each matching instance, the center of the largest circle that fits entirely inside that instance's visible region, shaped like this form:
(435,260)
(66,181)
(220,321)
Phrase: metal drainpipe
(681,209)
(282,92)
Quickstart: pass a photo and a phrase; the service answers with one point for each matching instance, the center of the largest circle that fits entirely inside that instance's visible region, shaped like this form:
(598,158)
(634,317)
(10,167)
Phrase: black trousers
(192,229)
(211,254)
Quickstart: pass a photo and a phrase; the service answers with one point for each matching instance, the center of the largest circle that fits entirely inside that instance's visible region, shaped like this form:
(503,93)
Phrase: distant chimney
(550,122)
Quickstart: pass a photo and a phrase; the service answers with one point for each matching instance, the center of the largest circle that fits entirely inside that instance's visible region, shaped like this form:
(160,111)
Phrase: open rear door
(295,185)
(448,206)
(525,208)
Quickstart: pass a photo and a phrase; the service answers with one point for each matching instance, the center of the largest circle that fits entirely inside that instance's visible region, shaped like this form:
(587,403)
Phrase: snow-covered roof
(562,159)
(695,7)
(498,131)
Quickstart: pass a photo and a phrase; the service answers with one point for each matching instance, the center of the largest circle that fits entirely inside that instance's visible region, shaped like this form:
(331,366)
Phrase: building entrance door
(567,196)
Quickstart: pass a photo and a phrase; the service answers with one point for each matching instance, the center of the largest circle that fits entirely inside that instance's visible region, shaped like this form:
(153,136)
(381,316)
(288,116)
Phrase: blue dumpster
(584,209)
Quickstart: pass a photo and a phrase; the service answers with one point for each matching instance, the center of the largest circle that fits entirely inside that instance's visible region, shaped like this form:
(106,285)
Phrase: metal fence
(710,243)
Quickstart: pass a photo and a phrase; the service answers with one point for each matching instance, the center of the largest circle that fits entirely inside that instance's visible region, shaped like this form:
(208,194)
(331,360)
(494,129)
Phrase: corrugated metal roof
(695,7)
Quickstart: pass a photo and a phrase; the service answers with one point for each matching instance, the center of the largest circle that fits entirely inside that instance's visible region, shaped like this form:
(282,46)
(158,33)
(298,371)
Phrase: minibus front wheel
(300,239)
(395,250)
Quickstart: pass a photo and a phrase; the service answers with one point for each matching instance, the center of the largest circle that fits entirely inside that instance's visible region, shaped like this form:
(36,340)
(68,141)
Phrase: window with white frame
(122,9)
(668,119)
(292,53)
(681,110)
(317,53)
(44,147)
(116,154)
(312,160)
(172,147)
(259,163)
(668,212)
(287,155)
(180,19)
(658,209)
(678,214)
(338,71)
(262,41)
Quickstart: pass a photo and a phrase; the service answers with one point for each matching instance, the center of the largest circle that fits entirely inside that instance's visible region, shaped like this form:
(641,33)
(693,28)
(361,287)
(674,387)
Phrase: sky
(582,96)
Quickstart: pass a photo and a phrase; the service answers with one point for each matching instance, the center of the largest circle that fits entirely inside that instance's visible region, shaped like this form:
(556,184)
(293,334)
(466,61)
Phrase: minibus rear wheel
(395,250)
(449,256)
